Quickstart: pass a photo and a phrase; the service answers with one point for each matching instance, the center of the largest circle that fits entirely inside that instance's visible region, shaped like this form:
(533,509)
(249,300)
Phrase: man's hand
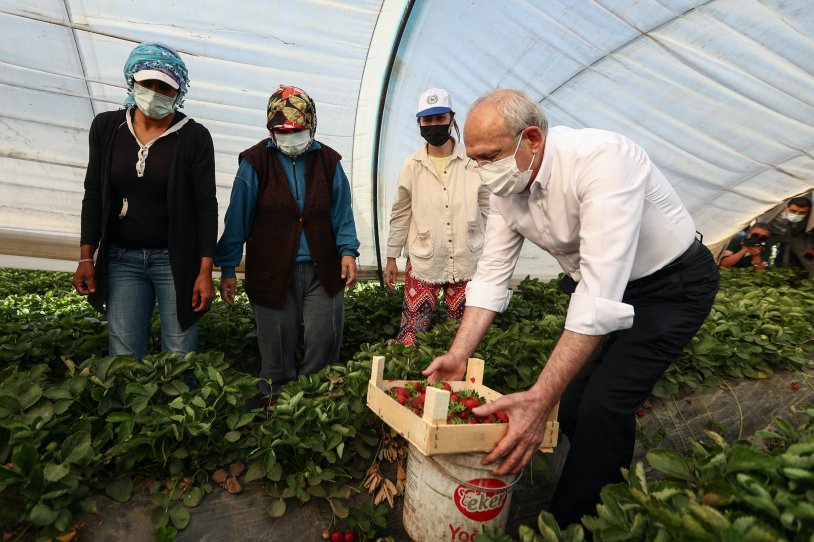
(84,280)
(349,270)
(528,414)
(228,290)
(391,271)
(446,367)
(203,293)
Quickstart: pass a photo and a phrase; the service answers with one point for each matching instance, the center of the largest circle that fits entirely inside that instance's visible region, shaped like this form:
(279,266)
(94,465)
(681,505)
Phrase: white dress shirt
(603,210)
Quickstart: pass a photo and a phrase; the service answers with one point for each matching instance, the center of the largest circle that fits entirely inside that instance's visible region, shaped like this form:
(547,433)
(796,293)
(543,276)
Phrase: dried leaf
(67,536)
(233,486)
(237,468)
(219,476)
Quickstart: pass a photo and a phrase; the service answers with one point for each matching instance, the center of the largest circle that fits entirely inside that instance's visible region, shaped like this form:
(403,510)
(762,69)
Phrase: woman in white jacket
(438,219)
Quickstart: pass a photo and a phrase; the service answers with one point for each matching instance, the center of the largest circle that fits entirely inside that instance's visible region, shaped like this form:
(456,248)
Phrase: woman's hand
(84,280)
(228,290)
(391,271)
(203,293)
(349,271)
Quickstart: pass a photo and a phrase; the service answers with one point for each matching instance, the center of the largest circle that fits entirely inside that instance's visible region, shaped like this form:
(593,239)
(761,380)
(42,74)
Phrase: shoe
(255,402)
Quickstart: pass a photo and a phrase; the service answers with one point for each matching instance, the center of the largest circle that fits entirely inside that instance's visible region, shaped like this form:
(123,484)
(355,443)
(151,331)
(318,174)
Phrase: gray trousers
(308,307)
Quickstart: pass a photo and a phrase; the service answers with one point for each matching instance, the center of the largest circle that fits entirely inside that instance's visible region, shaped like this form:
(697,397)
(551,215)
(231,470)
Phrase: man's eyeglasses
(485,164)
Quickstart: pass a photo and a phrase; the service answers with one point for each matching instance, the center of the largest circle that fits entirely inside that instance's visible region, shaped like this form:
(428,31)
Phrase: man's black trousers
(597,410)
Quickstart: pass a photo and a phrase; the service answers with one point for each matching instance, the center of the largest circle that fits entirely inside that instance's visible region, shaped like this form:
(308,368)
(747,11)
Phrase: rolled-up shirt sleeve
(610,188)
(489,288)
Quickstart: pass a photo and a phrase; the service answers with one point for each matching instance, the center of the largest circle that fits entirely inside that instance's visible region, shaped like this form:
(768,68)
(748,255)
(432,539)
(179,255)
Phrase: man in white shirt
(641,285)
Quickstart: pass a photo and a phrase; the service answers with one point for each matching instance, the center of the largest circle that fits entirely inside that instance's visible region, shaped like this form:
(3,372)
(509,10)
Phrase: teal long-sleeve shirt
(240,214)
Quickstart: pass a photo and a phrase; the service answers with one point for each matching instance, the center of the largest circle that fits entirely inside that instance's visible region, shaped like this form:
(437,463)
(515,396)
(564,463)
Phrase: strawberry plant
(112,424)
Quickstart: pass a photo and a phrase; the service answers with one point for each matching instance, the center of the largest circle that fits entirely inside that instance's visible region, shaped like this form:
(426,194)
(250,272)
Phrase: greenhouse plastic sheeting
(720,93)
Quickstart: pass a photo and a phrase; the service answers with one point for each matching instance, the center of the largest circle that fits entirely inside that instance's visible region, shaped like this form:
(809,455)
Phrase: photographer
(749,250)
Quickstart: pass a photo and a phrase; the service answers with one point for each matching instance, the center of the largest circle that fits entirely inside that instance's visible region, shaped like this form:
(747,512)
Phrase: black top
(143,217)
(192,207)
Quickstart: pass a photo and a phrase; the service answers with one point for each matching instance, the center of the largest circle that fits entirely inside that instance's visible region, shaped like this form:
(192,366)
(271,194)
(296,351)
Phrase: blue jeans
(136,279)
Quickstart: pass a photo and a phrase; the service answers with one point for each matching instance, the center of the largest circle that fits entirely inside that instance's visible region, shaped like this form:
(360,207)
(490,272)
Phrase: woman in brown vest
(291,206)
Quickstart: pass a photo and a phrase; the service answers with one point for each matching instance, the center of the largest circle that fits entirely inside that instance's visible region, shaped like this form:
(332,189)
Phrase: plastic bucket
(449,497)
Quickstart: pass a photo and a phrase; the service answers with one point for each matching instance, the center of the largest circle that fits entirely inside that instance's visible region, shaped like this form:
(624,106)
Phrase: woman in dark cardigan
(150,209)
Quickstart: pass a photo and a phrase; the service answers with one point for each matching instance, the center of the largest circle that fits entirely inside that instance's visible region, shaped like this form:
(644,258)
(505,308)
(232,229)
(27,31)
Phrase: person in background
(150,208)
(641,285)
(438,219)
(291,206)
(791,228)
(749,249)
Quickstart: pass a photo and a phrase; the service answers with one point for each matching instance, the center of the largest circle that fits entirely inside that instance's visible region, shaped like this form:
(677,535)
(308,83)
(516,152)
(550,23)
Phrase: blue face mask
(154,105)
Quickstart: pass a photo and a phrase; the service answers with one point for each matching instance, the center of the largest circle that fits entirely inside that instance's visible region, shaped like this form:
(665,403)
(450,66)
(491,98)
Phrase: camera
(755,241)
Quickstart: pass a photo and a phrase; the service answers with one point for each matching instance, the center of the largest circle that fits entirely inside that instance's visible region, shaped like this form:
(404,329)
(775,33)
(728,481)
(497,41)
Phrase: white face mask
(791,217)
(293,144)
(154,105)
(503,177)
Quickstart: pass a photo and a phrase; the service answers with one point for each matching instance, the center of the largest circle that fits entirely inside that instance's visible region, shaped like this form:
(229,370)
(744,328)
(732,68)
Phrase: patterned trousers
(419,303)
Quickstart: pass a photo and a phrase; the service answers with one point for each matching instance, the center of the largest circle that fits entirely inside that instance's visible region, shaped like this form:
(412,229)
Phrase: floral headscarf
(152,55)
(291,108)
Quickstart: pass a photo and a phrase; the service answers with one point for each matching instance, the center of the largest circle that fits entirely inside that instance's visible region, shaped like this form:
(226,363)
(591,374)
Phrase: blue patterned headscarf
(152,55)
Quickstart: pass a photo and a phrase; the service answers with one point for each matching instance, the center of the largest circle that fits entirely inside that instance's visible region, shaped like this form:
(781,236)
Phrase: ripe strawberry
(470,403)
(502,417)
(795,386)
(337,536)
(447,387)
(640,413)
(453,397)
(349,536)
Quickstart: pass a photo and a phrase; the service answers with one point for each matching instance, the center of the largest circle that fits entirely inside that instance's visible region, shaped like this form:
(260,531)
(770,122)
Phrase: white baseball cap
(144,75)
(434,101)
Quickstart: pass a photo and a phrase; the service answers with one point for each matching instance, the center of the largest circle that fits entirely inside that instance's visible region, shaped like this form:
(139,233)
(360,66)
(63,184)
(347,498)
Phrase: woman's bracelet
(86,260)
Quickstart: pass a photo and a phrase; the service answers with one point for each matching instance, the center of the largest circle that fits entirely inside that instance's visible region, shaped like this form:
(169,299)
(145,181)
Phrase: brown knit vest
(271,249)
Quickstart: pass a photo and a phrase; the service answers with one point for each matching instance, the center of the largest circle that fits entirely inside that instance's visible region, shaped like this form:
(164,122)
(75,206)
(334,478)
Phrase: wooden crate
(431,433)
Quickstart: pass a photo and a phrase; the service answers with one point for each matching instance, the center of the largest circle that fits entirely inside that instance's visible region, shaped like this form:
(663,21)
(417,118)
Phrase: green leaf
(57,392)
(166,534)
(232,436)
(88,505)
(275,473)
(159,518)
(25,458)
(77,448)
(276,508)
(55,472)
(671,463)
(743,458)
(255,471)
(120,489)
(193,497)
(30,396)
(179,515)
(42,515)
(339,508)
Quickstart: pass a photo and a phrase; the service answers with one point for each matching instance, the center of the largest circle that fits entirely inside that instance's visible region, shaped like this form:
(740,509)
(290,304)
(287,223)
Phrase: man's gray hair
(518,108)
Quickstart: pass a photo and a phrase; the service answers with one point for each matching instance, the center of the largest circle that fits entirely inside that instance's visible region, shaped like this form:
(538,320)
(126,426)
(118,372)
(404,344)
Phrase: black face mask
(436,135)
